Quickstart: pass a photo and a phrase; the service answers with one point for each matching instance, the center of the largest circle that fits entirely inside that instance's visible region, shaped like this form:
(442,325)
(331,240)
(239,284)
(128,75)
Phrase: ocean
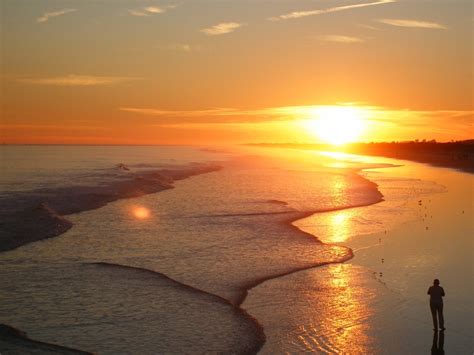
(160,249)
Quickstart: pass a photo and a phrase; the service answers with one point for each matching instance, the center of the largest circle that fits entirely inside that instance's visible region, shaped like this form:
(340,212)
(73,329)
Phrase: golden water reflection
(349,311)
(341,309)
(339,225)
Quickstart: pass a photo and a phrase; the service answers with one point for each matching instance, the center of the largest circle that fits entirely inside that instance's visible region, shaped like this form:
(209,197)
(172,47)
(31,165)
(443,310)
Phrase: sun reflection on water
(339,226)
(344,328)
(348,311)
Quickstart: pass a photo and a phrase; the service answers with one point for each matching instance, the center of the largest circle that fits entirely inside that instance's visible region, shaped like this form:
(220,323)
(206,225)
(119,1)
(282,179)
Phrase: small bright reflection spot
(141,212)
(340,226)
(339,219)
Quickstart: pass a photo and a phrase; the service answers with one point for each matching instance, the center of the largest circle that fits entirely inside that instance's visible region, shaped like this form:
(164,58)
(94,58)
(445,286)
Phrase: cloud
(49,127)
(375,115)
(138,13)
(412,23)
(227,115)
(340,39)
(441,122)
(299,14)
(154,9)
(150,10)
(77,80)
(369,27)
(221,28)
(46,16)
(187,113)
(212,115)
(180,47)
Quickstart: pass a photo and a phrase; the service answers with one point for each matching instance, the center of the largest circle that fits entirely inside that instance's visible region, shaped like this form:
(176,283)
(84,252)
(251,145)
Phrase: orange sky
(203,72)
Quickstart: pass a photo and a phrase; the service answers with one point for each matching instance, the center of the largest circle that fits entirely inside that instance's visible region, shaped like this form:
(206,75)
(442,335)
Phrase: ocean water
(176,278)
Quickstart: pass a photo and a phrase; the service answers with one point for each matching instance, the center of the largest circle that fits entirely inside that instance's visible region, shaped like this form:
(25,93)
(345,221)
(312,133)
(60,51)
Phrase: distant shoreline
(456,155)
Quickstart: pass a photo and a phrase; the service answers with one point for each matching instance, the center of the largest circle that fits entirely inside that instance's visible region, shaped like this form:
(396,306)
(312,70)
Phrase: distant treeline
(455,154)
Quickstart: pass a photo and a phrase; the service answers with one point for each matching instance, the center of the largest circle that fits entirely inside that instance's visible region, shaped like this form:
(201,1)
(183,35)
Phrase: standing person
(436,293)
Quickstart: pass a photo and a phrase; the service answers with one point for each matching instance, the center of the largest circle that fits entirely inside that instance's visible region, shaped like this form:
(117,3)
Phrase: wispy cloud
(213,112)
(441,122)
(47,15)
(221,28)
(150,10)
(340,39)
(154,9)
(217,115)
(376,116)
(180,47)
(299,14)
(49,127)
(412,23)
(77,80)
(228,115)
(138,13)
(368,27)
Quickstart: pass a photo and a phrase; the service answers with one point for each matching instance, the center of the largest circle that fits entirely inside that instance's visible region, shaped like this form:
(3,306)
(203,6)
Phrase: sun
(337,124)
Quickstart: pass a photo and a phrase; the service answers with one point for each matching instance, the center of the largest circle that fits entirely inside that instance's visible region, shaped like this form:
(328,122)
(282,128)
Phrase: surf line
(14,338)
(240,312)
(289,223)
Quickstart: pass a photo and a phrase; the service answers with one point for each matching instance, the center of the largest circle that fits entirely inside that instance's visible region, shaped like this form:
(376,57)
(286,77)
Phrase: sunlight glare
(337,124)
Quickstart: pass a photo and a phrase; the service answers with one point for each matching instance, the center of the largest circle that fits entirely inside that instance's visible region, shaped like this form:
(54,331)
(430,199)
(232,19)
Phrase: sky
(234,71)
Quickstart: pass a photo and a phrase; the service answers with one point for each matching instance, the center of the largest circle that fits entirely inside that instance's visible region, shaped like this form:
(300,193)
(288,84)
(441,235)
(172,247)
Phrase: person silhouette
(436,293)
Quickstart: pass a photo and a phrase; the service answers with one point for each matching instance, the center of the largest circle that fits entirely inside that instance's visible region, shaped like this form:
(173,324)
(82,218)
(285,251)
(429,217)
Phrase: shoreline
(290,224)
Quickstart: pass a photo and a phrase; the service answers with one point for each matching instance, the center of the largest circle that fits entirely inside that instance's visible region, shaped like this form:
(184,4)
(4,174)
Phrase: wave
(14,341)
(277,202)
(109,308)
(289,223)
(162,276)
(255,333)
(34,215)
(250,214)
